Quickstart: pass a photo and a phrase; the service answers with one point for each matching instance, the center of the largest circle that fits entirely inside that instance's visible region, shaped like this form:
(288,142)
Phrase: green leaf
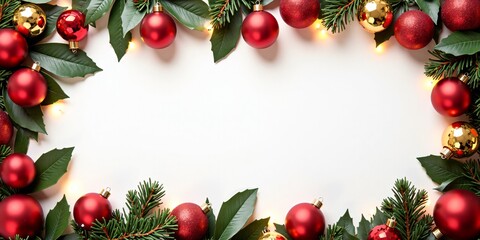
(118,40)
(52,11)
(50,167)
(193,14)
(282,230)
(225,39)
(54,92)
(37,1)
(252,231)
(57,220)
(460,43)
(130,17)
(22,139)
(346,222)
(29,118)
(363,228)
(80,5)
(441,170)
(430,7)
(454,183)
(379,218)
(266,2)
(211,221)
(59,60)
(97,9)
(234,213)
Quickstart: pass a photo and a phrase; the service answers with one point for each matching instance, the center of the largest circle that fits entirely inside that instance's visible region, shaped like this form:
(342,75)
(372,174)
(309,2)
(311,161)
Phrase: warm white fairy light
(429,83)
(132,45)
(73,189)
(322,32)
(380,49)
(208,26)
(56,109)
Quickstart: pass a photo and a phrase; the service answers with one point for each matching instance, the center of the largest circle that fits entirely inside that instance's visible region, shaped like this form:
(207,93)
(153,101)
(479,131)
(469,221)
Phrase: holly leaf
(225,39)
(252,231)
(22,139)
(441,170)
(234,213)
(52,12)
(29,118)
(37,1)
(131,17)
(97,9)
(55,92)
(460,43)
(211,222)
(59,60)
(50,167)
(193,14)
(282,230)
(430,7)
(80,5)
(118,40)
(363,228)
(57,220)
(346,222)
(379,218)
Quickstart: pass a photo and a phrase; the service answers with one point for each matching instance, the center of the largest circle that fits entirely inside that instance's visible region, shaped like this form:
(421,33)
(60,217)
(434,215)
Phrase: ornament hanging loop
(257,7)
(106,192)
(464,77)
(157,7)
(318,202)
(206,207)
(36,67)
(437,233)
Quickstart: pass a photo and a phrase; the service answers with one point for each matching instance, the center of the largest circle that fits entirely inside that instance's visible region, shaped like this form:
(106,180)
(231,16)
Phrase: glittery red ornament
(260,28)
(71,27)
(17,170)
(384,231)
(27,87)
(299,13)
(451,97)
(192,221)
(305,221)
(91,207)
(20,215)
(6,128)
(461,14)
(414,29)
(158,30)
(13,48)
(457,215)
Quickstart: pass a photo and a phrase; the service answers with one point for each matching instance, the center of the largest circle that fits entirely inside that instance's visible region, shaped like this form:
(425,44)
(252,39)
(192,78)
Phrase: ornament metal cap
(36,67)
(318,202)
(391,222)
(257,7)
(206,207)
(437,233)
(105,192)
(73,45)
(446,153)
(157,7)
(463,77)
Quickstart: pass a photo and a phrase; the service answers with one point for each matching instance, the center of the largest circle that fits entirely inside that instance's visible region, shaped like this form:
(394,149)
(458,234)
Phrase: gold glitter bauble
(375,15)
(30,20)
(272,236)
(460,140)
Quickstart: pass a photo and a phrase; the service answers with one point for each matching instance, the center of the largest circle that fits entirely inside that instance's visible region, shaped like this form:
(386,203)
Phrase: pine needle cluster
(336,14)
(221,11)
(8,8)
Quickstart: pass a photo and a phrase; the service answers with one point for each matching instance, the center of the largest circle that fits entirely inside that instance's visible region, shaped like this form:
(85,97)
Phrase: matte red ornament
(22,215)
(385,231)
(260,28)
(17,170)
(299,13)
(13,48)
(457,215)
(451,97)
(192,221)
(6,128)
(414,29)
(158,30)
(27,87)
(71,27)
(91,207)
(461,14)
(305,221)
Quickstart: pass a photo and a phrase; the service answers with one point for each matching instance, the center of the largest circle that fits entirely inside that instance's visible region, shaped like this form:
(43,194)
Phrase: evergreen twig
(334,232)
(471,171)
(147,197)
(8,8)
(141,5)
(221,11)
(474,112)
(336,14)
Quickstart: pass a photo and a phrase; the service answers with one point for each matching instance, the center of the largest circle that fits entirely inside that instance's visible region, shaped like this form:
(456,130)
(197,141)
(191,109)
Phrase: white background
(313,115)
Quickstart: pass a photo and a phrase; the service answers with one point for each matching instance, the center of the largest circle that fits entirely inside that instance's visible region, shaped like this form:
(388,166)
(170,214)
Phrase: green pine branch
(221,11)
(474,112)
(142,5)
(408,207)
(148,196)
(5,150)
(334,232)
(337,14)
(7,8)
(471,172)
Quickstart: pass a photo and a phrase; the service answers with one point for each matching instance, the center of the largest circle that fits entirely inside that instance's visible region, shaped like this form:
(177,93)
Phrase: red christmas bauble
(461,14)
(414,29)
(6,128)
(451,97)
(457,214)
(305,222)
(13,48)
(158,30)
(27,87)
(20,215)
(299,13)
(71,26)
(17,170)
(260,29)
(384,232)
(192,222)
(91,207)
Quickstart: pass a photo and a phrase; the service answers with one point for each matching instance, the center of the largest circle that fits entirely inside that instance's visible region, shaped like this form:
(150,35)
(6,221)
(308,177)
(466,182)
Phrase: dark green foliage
(8,8)
(222,11)
(336,14)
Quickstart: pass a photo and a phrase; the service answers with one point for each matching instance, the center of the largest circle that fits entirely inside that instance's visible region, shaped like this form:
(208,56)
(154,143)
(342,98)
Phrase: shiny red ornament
(260,28)
(20,215)
(27,87)
(299,13)
(158,30)
(461,14)
(91,207)
(414,29)
(457,215)
(305,221)
(71,27)
(192,221)
(6,128)
(17,170)
(384,232)
(13,48)
(451,97)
